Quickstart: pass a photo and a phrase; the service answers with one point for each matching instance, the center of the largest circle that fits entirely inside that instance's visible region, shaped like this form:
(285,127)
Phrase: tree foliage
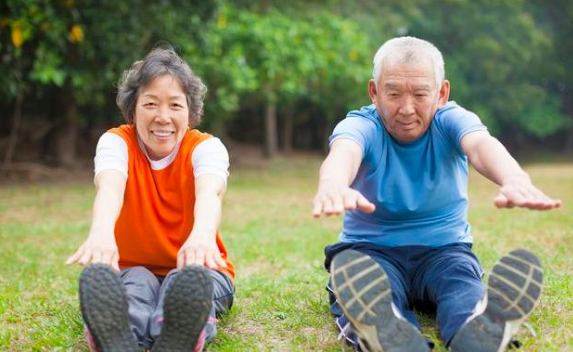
(287,66)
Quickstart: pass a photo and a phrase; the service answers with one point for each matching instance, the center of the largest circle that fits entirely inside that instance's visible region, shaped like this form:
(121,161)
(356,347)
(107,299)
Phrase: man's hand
(96,249)
(522,193)
(334,200)
(201,251)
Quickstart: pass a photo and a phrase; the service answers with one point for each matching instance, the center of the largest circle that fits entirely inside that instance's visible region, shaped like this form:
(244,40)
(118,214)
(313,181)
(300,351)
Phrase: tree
(74,52)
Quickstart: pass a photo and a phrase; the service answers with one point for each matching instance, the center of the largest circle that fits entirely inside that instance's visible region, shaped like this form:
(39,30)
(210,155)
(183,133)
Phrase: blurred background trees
(279,73)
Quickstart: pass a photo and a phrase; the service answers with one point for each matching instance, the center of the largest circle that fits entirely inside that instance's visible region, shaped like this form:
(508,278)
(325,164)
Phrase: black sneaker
(363,291)
(104,308)
(514,288)
(188,301)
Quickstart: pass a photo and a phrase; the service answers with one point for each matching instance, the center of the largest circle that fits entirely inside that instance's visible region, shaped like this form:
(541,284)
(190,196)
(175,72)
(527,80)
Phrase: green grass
(281,304)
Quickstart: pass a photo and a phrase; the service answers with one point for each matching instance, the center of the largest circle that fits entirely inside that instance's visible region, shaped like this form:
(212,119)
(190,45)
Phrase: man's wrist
(519,178)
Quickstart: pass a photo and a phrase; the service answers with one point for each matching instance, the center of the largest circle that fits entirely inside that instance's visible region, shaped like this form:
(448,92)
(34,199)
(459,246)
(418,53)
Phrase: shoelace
(531,330)
(343,331)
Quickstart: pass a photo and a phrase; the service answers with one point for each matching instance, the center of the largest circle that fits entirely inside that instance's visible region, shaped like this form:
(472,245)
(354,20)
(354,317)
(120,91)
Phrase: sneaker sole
(188,302)
(104,308)
(363,291)
(514,288)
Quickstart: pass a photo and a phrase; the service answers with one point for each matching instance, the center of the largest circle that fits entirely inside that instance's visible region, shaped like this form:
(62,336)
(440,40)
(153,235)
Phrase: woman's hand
(96,249)
(200,250)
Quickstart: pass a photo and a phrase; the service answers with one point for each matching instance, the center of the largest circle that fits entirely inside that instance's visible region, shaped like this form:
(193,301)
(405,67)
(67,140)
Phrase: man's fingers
(365,205)
(351,202)
(317,208)
(500,201)
(337,205)
(327,206)
(529,198)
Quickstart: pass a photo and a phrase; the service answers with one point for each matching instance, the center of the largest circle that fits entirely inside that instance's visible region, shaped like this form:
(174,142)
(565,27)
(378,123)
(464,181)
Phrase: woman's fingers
(200,255)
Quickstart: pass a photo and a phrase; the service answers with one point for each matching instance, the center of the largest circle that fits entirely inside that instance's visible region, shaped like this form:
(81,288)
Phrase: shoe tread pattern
(104,308)
(188,302)
(363,291)
(514,289)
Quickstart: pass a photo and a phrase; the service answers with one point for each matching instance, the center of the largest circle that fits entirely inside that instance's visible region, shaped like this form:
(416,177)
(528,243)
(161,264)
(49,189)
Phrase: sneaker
(363,291)
(514,288)
(103,303)
(188,301)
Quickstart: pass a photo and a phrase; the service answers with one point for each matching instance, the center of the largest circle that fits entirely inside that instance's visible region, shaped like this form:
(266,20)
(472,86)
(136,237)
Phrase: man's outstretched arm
(337,172)
(490,158)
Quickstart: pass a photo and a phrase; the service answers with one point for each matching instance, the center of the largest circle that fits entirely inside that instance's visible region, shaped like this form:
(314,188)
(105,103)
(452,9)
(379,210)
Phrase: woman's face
(161,116)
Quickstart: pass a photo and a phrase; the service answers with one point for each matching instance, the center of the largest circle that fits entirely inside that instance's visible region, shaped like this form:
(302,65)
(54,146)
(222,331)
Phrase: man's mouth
(408,125)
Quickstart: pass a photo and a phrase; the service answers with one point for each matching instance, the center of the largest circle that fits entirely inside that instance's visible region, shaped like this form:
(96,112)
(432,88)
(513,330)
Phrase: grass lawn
(281,304)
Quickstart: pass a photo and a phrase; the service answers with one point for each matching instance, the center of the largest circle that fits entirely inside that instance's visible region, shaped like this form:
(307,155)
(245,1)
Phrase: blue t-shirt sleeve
(356,128)
(455,122)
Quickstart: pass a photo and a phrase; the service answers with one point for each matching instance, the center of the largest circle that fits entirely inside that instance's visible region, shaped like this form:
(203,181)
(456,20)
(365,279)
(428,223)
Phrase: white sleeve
(111,154)
(211,157)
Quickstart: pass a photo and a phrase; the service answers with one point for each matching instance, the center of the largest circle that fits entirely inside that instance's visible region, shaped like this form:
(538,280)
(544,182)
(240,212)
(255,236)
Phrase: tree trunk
(271,133)
(60,143)
(16,121)
(568,104)
(67,136)
(569,142)
(271,137)
(287,131)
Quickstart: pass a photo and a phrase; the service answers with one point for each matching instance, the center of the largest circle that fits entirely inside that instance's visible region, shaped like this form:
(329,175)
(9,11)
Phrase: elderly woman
(157,270)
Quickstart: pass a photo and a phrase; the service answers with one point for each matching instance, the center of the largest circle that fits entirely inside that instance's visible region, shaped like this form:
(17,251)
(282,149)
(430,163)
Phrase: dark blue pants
(446,280)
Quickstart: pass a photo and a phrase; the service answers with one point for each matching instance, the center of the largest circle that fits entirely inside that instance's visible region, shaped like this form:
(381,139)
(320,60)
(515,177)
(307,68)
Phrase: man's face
(407,98)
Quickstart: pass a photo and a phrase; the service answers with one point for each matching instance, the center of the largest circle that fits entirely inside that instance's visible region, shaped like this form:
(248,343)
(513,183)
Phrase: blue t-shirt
(419,188)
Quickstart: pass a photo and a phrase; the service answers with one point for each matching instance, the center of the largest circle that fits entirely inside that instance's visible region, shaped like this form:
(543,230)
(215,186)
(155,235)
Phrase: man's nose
(407,106)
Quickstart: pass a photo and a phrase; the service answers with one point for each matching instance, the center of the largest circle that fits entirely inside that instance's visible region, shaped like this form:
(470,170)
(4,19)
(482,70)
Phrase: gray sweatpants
(146,294)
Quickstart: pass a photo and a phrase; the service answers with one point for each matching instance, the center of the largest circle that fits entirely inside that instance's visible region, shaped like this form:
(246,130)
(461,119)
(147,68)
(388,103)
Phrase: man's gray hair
(409,50)
(160,61)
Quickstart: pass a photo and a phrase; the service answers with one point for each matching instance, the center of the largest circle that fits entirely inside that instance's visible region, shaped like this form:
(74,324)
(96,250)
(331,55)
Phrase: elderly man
(399,168)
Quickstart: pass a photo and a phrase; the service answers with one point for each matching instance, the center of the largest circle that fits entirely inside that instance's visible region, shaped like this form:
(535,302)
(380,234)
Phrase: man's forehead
(416,73)
(421,67)
(397,84)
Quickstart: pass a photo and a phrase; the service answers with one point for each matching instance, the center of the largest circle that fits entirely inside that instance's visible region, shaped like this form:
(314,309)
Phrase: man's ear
(444,94)
(372,91)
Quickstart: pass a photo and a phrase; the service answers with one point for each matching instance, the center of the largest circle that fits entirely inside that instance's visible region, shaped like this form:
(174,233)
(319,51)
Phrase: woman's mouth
(162,134)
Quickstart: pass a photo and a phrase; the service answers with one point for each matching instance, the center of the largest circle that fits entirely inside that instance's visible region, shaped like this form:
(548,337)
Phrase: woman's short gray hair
(160,61)
(409,50)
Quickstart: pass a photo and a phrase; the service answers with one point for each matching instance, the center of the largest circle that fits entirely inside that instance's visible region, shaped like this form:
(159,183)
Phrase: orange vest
(158,207)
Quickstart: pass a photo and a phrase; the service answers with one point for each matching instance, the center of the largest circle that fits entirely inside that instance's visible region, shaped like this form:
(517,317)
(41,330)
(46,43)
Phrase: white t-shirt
(209,157)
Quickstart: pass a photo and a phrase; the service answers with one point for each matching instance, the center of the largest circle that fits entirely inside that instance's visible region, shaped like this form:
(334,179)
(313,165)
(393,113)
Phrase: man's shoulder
(451,110)
(367,112)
